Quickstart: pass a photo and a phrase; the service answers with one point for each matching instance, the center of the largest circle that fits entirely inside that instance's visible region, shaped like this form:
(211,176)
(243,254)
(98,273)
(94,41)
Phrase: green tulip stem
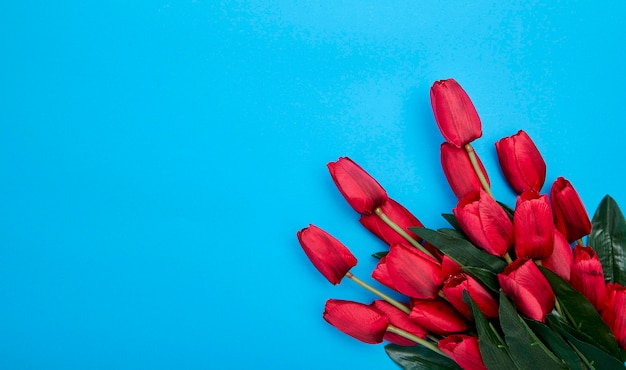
(580,242)
(382,295)
(379,212)
(472,156)
(416,339)
(507,258)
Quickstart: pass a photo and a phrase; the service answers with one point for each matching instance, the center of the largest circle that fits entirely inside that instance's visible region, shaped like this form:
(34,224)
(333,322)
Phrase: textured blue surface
(157,158)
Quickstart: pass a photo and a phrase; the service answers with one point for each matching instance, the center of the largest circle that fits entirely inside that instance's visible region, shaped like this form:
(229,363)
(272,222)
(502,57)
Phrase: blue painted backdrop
(158,157)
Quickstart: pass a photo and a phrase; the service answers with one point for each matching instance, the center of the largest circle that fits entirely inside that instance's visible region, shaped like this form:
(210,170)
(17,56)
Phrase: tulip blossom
(528,288)
(459,171)
(360,321)
(326,253)
(521,163)
(400,320)
(464,350)
(587,276)
(533,226)
(454,113)
(485,222)
(449,267)
(412,272)
(381,274)
(399,215)
(362,192)
(453,290)
(614,315)
(560,261)
(437,316)
(570,216)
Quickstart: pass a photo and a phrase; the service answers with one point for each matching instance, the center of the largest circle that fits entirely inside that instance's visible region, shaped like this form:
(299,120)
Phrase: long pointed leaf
(419,358)
(556,344)
(608,239)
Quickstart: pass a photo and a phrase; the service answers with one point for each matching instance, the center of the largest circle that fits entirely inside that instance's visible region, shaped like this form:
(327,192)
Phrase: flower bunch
(537,285)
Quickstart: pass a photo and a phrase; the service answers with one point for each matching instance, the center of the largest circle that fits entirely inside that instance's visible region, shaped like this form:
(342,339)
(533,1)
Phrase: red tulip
(326,253)
(454,112)
(485,222)
(533,226)
(362,192)
(570,216)
(464,350)
(437,316)
(560,261)
(360,321)
(587,276)
(521,163)
(381,273)
(525,284)
(449,267)
(453,290)
(459,170)
(399,215)
(614,315)
(399,319)
(412,272)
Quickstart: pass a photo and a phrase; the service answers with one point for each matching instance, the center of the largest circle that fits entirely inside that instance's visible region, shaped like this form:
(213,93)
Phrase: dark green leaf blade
(608,239)
(379,255)
(527,351)
(581,313)
(460,250)
(493,350)
(594,357)
(556,344)
(419,358)
(452,221)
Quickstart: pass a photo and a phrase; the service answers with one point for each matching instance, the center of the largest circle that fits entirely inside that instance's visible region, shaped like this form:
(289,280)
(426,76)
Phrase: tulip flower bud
(485,222)
(437,316)
(459,171)
(560,261)
(521,163)
(399,215)
(412,272)
(360,321)
(362,192)
(381,274)
(588,277)
(400,320)
(449,267)
(454,112)
(570,216)
(533,226)
(453,290)
(528,288)
(614,315)
(326,253)
(464,350)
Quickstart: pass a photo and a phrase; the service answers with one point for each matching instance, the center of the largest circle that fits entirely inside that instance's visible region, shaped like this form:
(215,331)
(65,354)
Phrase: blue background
(158,157)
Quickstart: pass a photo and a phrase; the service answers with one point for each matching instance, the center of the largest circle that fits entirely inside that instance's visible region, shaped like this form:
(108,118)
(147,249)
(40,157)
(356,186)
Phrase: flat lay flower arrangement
(536,286)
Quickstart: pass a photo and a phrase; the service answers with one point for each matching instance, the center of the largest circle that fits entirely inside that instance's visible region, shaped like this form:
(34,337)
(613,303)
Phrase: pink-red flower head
(528,288)
(588,277)
(560,261)
(464,350)
(533,226)
(485,222)
(459,171)
(362,192)
(454,112)
(521,163)
(412,272)
(570,216)
(454,287)
(401,320)
(399,215)
(326,253)
(437,316)
(360,321)
(614,315)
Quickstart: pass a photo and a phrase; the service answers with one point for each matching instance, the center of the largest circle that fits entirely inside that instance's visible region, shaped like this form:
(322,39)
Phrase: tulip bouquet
(535,286)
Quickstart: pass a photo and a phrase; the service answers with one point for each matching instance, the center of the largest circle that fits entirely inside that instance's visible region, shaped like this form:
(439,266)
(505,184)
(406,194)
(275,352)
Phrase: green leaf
(556,344)
(453,222)
(581,313)
(608,239)
(527,351)
(419,358)
(592,356)
(453,233)
(460,250)
(493,350)
(379,255)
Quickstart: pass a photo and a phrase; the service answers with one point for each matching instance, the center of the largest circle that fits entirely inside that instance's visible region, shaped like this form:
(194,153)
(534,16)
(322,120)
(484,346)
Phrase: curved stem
(416,339)
(472,156)
(507,258)
(382,295)
(379,212)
